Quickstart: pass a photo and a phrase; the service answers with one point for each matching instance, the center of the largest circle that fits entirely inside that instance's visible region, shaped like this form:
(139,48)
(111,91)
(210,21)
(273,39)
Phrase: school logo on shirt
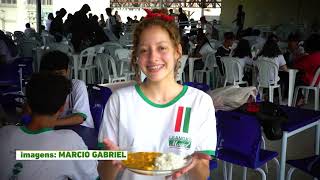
(181,138)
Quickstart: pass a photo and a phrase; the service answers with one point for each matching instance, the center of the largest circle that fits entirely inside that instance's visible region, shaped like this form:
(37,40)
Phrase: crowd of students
(84,28)
(251,46)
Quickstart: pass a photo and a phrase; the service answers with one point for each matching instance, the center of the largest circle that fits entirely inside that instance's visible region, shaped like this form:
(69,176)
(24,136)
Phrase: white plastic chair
(47,39)
(210,66)
(264,29)
(313,86)
(110,48)
(179,76)
(18,37)
(123,57)
(192,47)
(66,48)
(118,85)
(25,47)
(255,49)
(215,43)
(268,68)
(9,34)
(112,37)
(233,71)
(99,50)
(104,61)
(108,43)
(86,64)
(126,39)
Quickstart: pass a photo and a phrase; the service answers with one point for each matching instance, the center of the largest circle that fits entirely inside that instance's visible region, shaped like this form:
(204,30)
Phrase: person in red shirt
(308,64)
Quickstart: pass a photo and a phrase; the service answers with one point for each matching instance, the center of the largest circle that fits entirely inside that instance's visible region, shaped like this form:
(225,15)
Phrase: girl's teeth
(155,67)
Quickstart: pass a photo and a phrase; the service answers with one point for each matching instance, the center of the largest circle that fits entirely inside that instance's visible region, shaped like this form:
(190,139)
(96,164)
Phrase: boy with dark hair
(46,94)
(224,49)
(29,31)
(76,109)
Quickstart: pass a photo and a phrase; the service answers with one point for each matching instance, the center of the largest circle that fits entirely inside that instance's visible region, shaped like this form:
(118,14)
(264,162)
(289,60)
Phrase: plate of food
(155,163)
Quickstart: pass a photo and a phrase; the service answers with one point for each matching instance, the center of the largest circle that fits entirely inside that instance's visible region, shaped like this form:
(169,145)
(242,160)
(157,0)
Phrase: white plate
(160,172)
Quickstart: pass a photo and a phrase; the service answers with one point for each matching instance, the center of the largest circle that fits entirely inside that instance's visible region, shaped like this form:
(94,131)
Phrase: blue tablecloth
(297,117)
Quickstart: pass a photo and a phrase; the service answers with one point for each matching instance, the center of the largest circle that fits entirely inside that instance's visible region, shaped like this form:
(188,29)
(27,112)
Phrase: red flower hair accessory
(162,16)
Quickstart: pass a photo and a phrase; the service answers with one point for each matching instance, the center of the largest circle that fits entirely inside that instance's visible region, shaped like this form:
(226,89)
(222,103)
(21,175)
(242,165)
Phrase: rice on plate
(169,161)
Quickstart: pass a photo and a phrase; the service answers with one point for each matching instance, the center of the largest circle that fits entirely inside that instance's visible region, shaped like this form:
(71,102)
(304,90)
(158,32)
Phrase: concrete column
(38,10)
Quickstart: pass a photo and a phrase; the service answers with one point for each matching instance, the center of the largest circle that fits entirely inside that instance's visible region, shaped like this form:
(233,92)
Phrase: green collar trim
(28,131)
(145,98)
(84,116)
(101,146)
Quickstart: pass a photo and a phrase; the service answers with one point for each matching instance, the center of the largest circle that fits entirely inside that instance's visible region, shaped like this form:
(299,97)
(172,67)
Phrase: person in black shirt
(193,30)
(98,36)
(56,27)
(80,28)
(183,20)
(224,50)
(67,24)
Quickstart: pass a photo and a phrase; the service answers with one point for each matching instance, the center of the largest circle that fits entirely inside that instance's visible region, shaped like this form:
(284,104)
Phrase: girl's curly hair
(169,26)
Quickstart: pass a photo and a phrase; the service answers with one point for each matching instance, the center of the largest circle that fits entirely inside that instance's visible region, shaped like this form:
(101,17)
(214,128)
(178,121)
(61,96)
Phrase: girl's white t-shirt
(184,125)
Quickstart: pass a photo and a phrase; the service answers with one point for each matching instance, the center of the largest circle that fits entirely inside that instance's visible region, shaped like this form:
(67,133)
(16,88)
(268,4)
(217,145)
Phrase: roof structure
(165,3)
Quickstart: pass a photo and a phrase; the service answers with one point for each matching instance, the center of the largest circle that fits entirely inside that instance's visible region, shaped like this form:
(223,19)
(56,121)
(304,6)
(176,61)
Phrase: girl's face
(157,55)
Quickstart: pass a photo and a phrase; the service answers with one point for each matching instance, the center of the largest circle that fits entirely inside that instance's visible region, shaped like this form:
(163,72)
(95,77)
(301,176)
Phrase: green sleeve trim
(100,145)
(98,178)
(209,152)
(84,116)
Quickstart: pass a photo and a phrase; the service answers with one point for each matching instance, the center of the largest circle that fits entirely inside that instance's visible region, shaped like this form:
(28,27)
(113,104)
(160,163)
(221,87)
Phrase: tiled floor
(299,146)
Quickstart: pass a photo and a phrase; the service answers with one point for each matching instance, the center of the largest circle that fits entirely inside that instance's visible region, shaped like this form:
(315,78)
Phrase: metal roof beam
(166,3)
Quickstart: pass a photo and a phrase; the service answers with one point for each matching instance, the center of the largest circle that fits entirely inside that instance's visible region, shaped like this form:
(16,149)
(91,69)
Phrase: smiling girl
(159,115)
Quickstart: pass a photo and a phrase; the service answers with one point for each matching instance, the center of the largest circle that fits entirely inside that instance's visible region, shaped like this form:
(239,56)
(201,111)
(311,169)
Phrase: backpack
(270,116)
(314,167)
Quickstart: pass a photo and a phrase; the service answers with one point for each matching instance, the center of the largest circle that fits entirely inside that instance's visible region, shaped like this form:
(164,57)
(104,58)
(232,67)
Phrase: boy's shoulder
(66,134)
(8,129)
(67,137)
(63,135)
